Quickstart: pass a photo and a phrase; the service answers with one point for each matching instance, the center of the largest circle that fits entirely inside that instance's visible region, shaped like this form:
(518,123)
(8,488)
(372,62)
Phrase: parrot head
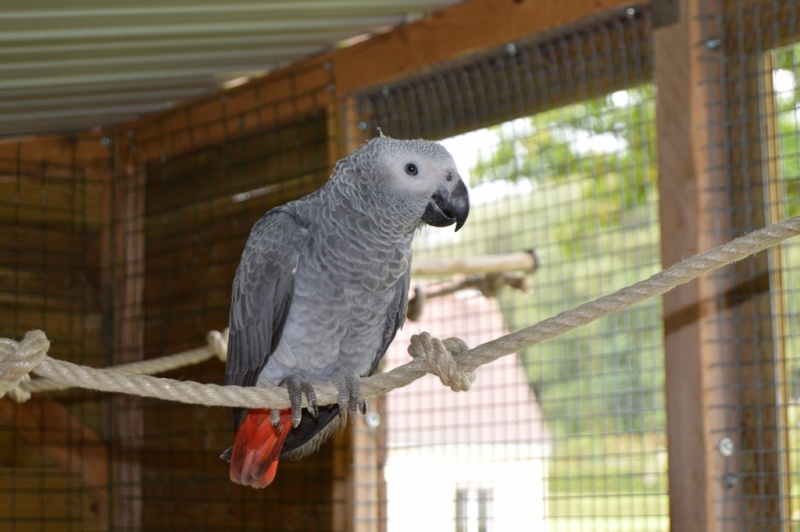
(418,180)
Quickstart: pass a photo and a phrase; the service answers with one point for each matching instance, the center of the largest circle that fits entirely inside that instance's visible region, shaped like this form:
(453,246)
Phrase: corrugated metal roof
(91,63)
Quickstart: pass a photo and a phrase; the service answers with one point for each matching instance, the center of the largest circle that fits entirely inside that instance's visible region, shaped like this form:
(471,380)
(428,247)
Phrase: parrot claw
(298,387)
(362,406)
(349,388)
(274,418)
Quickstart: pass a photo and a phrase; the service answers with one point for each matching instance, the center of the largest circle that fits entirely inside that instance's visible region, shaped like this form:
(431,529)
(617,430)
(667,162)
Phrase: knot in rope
(440,357)
(218,343)
(18,359)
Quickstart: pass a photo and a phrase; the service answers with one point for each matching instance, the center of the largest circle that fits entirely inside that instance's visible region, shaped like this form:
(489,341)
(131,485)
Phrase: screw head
(713,44)
(373,420)
(725,447)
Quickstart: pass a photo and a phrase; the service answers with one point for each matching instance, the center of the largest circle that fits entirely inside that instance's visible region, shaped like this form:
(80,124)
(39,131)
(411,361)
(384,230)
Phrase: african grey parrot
(322,289)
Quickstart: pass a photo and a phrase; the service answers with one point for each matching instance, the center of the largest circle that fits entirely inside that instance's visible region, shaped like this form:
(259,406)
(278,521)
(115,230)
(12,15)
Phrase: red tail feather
(257,447)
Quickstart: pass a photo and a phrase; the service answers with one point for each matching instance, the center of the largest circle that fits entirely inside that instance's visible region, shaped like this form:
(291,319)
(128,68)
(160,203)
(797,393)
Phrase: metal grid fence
(556,136)
(569,174)
(751,63)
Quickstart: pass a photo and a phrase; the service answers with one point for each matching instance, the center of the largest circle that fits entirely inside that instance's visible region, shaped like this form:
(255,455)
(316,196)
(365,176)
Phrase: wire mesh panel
(53,455)
(131,256)
(201,179)
(557,139)
(785,76)
(751,63)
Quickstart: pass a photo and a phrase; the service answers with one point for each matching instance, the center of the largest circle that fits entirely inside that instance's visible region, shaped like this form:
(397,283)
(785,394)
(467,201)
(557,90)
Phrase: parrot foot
(297,387)
(349,388)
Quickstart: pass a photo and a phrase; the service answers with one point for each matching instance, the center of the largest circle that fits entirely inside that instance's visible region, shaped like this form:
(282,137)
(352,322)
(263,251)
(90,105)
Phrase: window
(473,509)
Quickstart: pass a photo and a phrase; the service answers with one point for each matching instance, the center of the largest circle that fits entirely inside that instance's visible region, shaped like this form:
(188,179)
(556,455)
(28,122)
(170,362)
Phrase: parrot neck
(356,201)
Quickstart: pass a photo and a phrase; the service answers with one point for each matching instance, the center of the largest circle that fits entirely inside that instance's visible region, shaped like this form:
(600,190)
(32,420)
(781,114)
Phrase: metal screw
(362,126)
(713,44)
(106,141)
(385,90)
(331,87)
(725,447)
(630,12)
(373,420)
(730,480)
(511,49)
(327,65)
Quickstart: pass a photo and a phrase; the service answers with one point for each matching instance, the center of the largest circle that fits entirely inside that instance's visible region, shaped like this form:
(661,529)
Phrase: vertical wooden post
(689,146)
(128,339)
(724,357)
(343,442)
(754,299)
(358,471)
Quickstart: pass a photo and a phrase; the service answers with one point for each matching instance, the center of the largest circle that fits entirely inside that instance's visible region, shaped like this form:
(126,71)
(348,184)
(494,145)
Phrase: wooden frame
(67,443)
(716,132)
(683,161)
(463,29)
(690,134)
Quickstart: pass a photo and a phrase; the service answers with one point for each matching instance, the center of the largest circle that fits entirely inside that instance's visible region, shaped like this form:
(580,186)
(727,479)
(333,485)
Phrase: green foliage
(592,220)
(788,109)
(591,215)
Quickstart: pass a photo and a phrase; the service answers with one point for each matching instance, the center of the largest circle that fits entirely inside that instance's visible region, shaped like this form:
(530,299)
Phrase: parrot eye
(411,169)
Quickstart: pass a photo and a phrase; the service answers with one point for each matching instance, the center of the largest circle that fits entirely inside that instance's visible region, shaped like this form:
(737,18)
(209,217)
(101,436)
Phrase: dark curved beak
(448,207)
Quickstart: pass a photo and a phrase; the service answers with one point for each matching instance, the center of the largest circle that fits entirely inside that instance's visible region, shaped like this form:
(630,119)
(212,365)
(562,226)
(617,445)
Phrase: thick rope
(217,347)
(16,359)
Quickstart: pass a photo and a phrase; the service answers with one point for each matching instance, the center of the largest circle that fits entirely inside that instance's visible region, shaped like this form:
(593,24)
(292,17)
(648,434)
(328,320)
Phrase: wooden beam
(539,75)
(453,33)
(753,26)
(358,475)
(754,302)
(463,29)
(725,370)
(87,151)
(366,485)
(66,442)
(128,275)
(689,133)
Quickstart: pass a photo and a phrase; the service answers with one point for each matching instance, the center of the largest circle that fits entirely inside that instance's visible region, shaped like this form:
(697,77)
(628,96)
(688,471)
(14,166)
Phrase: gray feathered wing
(261,298)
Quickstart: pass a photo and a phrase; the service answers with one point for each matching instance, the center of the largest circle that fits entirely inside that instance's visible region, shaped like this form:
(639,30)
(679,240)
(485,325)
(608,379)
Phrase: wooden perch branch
(493,274)
(489,285)
(524,261)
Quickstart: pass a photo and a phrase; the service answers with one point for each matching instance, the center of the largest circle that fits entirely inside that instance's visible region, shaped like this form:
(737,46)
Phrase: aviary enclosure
(601,140)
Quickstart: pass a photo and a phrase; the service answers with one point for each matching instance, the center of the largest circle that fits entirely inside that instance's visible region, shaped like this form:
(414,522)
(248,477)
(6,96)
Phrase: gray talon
(297,388)
(362,406)
(275,417)
(349,388)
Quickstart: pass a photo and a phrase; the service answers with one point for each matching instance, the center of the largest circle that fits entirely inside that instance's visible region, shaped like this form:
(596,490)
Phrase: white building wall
(422,482)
